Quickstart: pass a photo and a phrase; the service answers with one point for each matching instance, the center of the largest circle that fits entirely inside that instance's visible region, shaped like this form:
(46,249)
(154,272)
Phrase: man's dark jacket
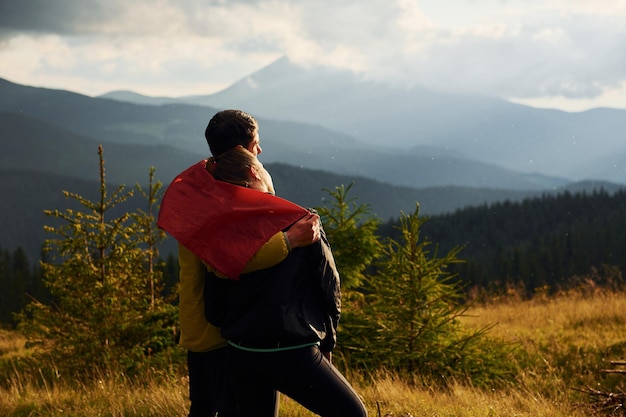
(295,302)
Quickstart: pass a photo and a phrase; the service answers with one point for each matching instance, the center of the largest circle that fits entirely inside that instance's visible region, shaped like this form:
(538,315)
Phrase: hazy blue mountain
(69,155)
(35,145)
(132,97)
(181,127)
(39,160)
(178,125)
(483,129)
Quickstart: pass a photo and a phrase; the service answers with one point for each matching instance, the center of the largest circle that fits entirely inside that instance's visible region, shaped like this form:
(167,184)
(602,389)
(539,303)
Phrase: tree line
(549,243)
(544,242)
(21,282)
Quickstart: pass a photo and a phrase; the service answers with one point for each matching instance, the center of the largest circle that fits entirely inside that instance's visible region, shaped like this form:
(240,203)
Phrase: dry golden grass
(592,320)
(567,340)
(390,397)
(11,344)
(28,397)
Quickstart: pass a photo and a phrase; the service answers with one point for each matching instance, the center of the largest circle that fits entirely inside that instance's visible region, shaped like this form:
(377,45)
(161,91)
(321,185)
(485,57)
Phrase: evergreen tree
(21,276)
(146,222)
(351,230)
(105,312)
(412,310)
(169,271)
(6,284)
(17,281)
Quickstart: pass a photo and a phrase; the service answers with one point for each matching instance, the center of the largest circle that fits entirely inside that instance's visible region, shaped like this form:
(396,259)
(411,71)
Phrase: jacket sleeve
(196,334)
(331,289)
(271,253)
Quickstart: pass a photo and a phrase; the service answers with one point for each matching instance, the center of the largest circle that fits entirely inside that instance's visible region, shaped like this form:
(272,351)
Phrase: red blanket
(221,223)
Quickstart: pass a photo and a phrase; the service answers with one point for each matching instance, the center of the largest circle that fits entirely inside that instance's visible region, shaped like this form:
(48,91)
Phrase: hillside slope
(181,126)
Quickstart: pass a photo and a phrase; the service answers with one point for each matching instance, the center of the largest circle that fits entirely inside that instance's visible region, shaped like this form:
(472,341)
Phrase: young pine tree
(107,312)
(412,308)
(351,230)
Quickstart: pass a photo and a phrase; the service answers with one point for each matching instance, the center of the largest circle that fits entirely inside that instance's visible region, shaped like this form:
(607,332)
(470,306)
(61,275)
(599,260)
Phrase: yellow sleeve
(196,333)
(271,253)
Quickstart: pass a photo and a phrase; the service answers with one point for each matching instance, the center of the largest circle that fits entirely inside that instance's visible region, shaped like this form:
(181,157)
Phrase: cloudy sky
(567,54)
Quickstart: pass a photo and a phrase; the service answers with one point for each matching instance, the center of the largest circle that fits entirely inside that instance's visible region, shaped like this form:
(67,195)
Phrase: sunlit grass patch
(564,343)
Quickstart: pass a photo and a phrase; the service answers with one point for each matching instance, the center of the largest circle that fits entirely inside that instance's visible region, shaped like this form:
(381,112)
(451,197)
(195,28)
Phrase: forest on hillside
(550,242)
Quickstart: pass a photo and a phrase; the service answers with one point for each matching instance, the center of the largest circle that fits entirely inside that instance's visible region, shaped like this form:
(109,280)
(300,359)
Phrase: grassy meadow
(562,344)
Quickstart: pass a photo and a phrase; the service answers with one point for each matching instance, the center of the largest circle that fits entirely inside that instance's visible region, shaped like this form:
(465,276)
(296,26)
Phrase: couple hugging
(260,295)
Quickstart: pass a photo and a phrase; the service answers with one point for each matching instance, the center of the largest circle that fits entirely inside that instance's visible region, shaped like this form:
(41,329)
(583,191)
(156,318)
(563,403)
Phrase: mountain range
(319,129)
(39,160)
(451,129)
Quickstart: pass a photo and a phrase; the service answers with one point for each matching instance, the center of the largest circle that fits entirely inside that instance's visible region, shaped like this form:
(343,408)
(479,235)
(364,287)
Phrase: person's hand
(305,231)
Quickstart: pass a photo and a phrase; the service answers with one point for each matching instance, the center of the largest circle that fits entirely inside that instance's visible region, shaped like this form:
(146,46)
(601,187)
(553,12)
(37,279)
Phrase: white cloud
(528,49)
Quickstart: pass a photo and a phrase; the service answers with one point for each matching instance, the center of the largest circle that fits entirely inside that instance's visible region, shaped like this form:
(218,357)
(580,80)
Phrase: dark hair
(229,128)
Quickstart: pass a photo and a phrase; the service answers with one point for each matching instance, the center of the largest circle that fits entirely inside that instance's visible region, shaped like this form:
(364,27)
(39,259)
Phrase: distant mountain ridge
(481,129)
(181,126)
(73,156)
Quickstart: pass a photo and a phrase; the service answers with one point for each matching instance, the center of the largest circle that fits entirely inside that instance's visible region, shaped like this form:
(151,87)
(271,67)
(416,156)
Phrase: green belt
(276,349)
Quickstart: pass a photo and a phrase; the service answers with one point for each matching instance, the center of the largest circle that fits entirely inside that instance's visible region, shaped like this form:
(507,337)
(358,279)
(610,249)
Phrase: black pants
(209,391)
(302,374)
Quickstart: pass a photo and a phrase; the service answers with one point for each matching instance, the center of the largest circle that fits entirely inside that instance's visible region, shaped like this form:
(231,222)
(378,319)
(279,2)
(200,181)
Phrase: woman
(280,321)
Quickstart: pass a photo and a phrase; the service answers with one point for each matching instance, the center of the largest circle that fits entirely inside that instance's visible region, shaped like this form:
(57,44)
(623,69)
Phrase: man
(202,215)
(281,321)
